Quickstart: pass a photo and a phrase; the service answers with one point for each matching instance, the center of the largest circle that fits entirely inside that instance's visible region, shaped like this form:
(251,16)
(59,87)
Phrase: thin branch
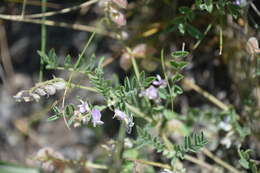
(254,8)
(220,161)
(146,162)
(36,3)
(24,7)
(79,27)
(204,93)
(63,11)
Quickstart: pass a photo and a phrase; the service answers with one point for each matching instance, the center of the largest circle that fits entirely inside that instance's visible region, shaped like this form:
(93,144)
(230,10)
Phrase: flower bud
(117,17)
(125,61)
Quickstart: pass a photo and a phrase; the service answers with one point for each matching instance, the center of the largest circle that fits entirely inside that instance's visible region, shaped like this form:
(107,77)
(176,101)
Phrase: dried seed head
(19,96)
(40,92)
(50,89)
(59,85)
(35,96)
(24,96)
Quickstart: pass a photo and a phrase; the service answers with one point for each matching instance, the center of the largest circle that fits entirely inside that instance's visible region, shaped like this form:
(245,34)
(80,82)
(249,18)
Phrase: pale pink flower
(96,117)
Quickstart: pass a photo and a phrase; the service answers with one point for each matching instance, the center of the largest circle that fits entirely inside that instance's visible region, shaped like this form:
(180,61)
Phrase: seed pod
(59,85)
(40,92)
(35,96)
(19,96)
(50,89)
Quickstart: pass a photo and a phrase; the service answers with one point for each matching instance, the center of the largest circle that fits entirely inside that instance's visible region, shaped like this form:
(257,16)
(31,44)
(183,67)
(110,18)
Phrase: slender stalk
(204,34)
(165,76)
(62,11)
(24,7)
(84,50)
(146,162)
(220,161)
(220,40)
(43,40)
(60,24)
(136,70)
(117,155)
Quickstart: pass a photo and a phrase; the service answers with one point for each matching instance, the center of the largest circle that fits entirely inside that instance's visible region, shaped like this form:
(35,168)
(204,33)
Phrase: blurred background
(218,64)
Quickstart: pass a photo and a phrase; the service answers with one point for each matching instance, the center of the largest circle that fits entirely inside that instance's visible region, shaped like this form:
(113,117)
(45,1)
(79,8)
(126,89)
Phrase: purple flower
(83,107)
(117,17)
(120,115)
(123,117)
(151,93)
(160,82)
(96,116)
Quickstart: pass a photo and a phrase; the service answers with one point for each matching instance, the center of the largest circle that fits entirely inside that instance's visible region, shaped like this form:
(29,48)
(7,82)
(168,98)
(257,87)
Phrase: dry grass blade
(63,11)
(35,3)
(79,27)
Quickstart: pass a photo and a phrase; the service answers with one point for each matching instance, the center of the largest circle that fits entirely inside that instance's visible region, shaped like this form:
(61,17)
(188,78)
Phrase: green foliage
(83,65)
(97,79)
(51,59)
(192,143)
(246,162)
(241,131)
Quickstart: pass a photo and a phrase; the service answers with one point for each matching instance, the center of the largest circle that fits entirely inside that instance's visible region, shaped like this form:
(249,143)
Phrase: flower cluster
(42,89)
(113,8)
(152,92)
(82,115)
(83,112)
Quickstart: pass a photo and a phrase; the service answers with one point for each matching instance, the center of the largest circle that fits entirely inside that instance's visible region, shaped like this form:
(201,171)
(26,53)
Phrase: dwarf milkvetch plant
(138,97)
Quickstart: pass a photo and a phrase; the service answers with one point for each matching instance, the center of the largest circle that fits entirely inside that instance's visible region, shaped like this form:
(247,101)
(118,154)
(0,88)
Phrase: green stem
(84,50)
(24,7)
(118,153)
(165,76)
(43,40)
(204,34)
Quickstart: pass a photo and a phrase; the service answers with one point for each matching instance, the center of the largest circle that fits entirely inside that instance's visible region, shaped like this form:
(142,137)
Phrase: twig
(138,112)
(5,54)
(79,27)
(220,40)
(63,11)
(219,161)
(146,162)
(204,93)
(198,162)
(43,40)
(95,166)
(35,3)
(24,6)
(254,8)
